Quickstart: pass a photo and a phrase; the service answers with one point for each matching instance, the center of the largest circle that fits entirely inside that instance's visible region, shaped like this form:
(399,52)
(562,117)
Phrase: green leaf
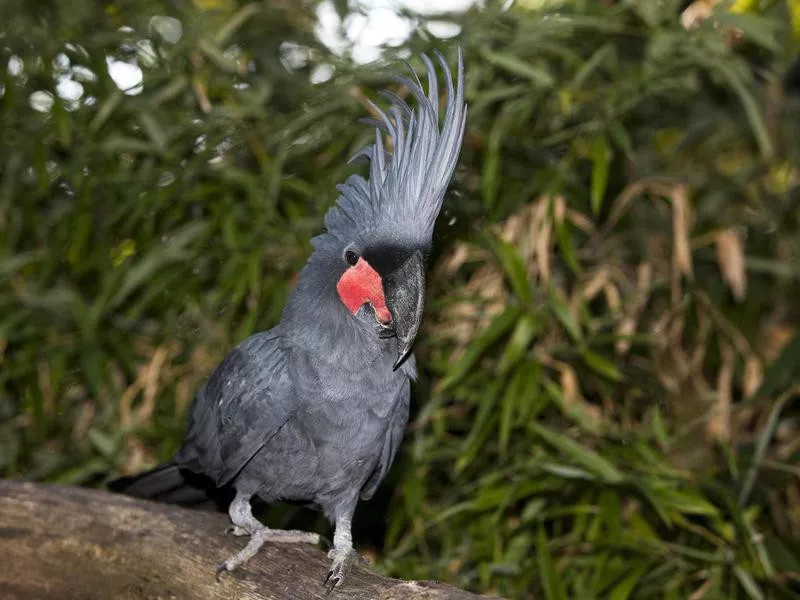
(116,143)
(236,22)
(213,52)
(532,510)
(161,255)
(686,501)
(659,430)
(748,583)
(10,266)
(481,427)
(514,269)
(568,472)
(759,29)
(518,343)
(490,178)
(588,459)
(105,445)
(496,329)
(511,398)
(563,231)
(154,129)
(624,589)
(620,137)
(601,160)
(762,444)
(558,306)
(785,369)
(104,112)
(751,109)
(601,365)
(592,64)
(515,66)
(551,579)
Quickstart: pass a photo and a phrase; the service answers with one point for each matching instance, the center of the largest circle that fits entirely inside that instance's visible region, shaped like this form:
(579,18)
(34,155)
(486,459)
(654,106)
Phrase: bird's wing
(394,435)
(241,406)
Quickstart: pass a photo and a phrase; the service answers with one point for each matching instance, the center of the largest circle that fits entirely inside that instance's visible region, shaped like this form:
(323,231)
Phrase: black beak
(404,290)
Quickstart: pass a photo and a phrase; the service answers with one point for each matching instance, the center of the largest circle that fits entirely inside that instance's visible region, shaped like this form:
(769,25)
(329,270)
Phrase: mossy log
(68,543)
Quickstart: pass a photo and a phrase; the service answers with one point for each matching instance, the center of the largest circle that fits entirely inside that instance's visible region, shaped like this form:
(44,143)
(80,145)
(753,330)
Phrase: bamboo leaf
(588,459)
(551,580)
(516,66)
(601,160)
(496,329)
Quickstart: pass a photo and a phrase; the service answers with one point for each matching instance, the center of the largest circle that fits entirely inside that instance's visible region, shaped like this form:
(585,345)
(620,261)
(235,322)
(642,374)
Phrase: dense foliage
(610,355)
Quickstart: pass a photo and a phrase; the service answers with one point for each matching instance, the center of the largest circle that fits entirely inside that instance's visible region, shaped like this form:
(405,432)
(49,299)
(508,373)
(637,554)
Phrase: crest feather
(405,188)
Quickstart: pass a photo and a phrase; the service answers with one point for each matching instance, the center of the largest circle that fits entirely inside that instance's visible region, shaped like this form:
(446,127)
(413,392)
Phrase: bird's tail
(170,484)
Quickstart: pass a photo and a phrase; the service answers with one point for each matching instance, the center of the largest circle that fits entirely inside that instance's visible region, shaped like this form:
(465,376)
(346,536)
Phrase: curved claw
(343,560)
(220,570)
(331,581)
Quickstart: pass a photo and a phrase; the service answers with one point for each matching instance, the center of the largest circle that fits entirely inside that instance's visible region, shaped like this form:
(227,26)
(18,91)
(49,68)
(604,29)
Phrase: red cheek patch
(361,284)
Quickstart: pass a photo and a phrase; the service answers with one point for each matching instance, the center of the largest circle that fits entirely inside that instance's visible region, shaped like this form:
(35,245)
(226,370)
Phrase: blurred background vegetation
(610,362)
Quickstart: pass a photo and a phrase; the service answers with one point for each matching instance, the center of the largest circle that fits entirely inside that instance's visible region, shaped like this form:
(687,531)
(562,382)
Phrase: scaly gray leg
(343,554)
(244,523)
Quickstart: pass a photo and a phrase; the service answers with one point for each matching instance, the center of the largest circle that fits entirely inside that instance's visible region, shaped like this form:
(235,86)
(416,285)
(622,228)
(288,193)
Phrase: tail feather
(170,484)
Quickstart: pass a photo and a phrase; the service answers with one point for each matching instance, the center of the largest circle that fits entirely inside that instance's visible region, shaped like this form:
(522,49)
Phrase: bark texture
(68,543)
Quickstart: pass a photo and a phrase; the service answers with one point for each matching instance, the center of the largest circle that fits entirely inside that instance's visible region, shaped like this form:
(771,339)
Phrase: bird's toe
(237,531)
(220,570)
(332,580)
(343,560)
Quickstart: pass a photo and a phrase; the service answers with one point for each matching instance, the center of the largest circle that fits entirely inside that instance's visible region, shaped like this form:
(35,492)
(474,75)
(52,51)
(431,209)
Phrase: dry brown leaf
(753,376)
(559,209)
(730,256)
(701,592)
(628,195)
(126,403)
(46,388)
(613,298)
(774,337)
(83,421)
(542,240)
(627,327)
(454,260)
(581,221)
(597,282)
(718,426)
(697,12)
(151,385)
(571,389)
(703,330)
(681,224)
(570,385)
(183,394)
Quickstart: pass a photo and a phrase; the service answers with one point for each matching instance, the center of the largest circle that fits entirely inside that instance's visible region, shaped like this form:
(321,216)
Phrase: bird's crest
(405,188)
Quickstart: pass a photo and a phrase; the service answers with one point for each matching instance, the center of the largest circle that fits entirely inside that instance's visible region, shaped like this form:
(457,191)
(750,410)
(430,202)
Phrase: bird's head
(379,231)
(384,287)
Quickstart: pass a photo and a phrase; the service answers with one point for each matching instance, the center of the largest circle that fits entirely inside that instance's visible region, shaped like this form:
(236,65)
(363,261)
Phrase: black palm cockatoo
(314,409)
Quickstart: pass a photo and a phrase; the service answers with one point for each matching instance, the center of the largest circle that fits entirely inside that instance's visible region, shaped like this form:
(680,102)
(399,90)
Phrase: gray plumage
(314,409)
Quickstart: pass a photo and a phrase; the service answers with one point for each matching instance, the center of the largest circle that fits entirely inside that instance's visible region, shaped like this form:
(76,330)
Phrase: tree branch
(68,543)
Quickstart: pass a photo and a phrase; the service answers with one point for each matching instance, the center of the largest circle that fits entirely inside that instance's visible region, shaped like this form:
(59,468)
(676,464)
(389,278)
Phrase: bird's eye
(351,258)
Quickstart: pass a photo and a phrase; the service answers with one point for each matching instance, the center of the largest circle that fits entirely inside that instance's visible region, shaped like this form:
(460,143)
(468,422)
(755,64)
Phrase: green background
(609,363)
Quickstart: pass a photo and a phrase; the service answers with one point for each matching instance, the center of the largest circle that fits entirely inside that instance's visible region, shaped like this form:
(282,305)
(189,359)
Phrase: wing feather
(241,407)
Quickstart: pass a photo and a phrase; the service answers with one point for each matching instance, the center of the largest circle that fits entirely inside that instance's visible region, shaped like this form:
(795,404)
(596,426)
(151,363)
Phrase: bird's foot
(258,538)
(343,560)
